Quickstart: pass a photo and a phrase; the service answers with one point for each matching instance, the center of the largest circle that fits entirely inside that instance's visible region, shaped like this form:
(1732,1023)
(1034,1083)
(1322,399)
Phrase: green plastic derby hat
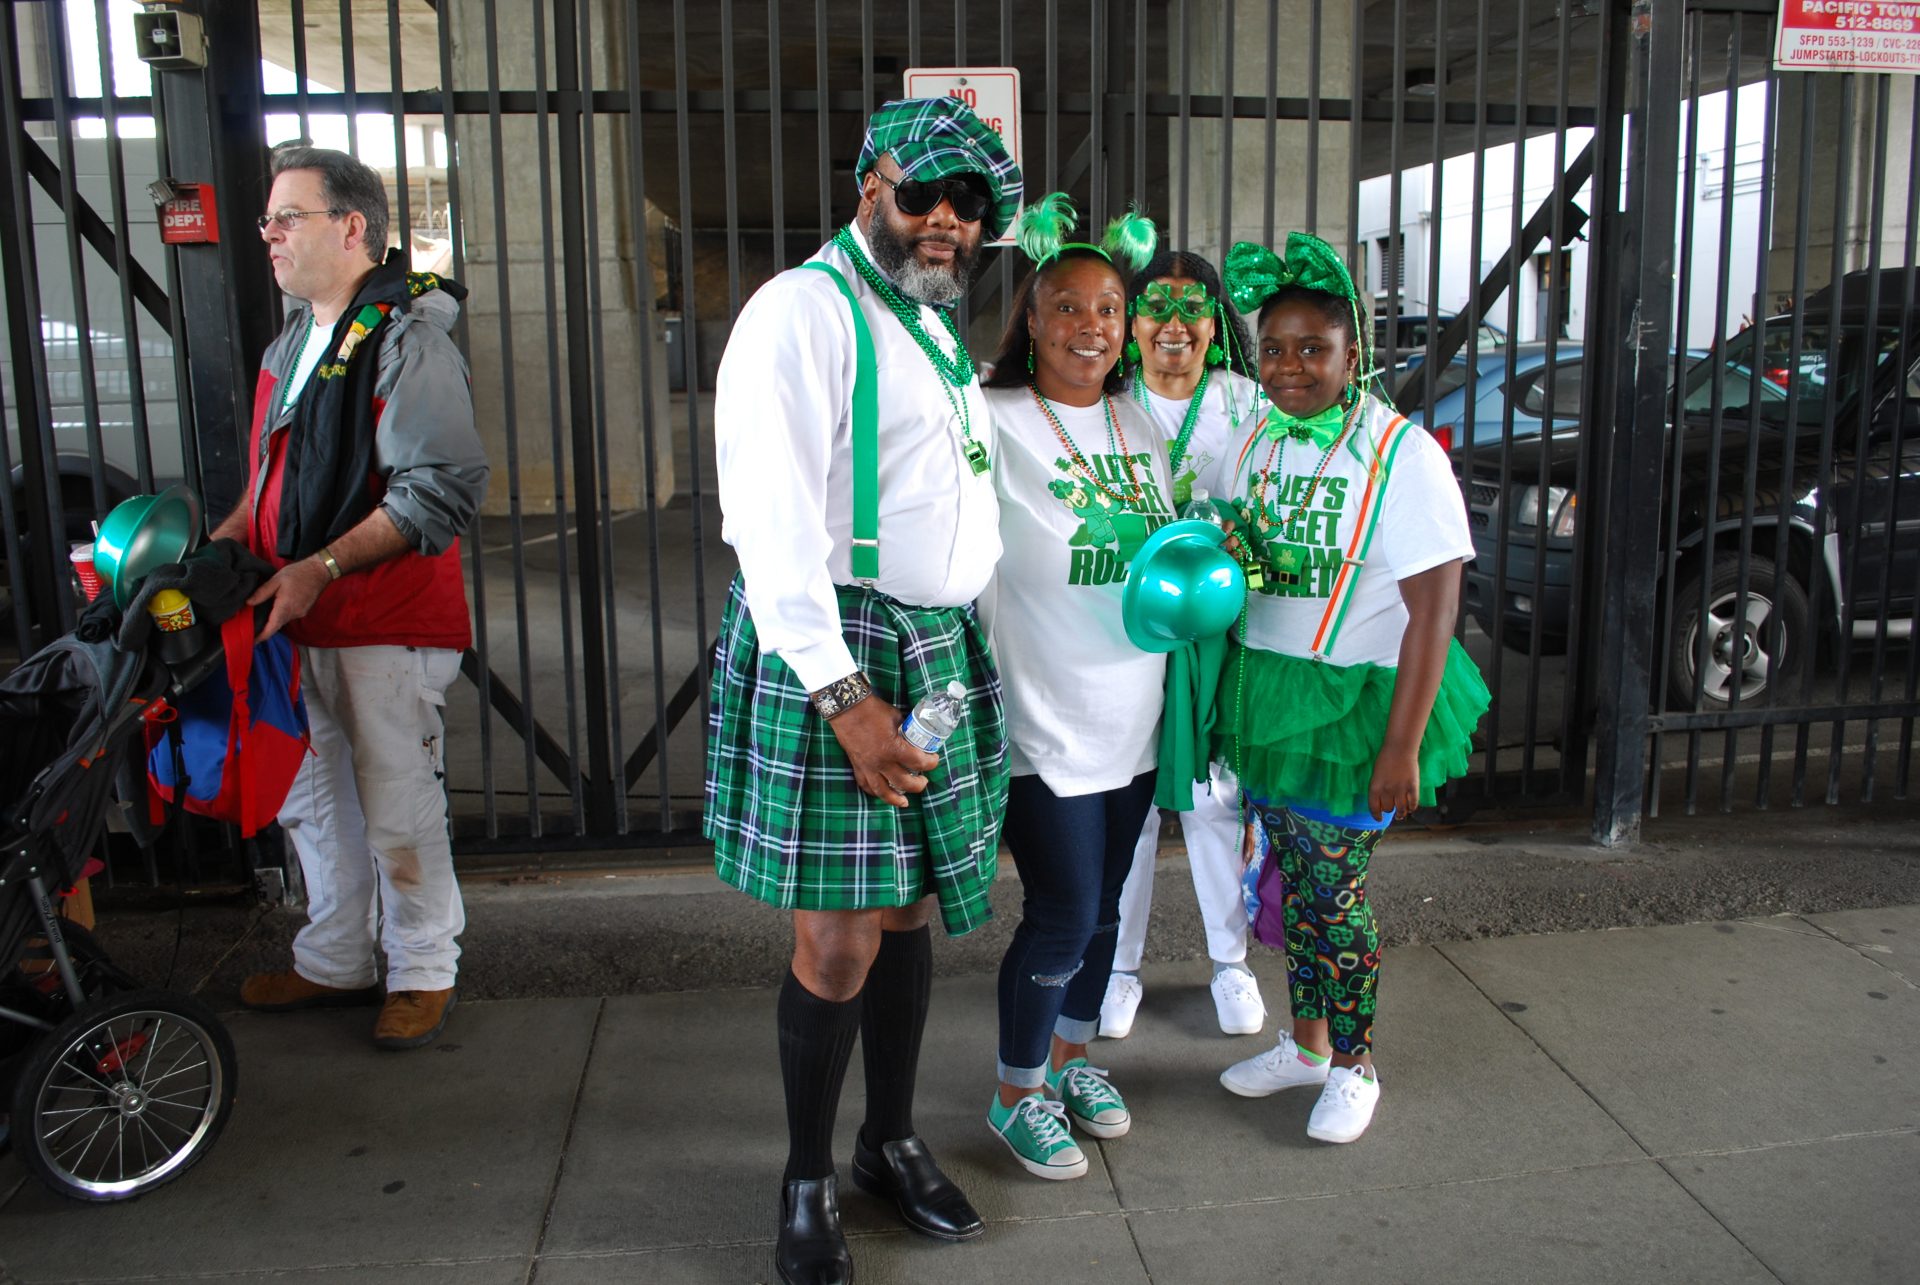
(1181,586)
(144,532)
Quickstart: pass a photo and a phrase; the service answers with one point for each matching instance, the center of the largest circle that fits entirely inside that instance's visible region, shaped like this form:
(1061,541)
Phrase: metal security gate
(1768,552)
(612,179)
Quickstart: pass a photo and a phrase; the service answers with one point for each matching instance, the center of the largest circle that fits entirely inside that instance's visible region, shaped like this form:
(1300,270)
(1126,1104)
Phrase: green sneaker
(1033,1131)
(1090,1102)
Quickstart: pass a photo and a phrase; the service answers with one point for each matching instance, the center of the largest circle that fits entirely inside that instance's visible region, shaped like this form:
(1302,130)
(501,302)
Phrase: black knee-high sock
(893,1013)
(816,1043)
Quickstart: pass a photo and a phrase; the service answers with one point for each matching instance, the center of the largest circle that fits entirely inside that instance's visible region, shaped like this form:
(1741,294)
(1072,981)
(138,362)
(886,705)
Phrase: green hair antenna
(1130,240)
(1044,226)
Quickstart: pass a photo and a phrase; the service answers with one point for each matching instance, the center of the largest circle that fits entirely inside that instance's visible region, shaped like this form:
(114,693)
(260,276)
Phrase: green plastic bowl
(1181,586)
(144,532)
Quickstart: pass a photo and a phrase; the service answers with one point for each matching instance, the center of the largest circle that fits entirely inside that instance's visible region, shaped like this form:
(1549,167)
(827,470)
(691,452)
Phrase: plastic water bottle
(1201,506)
(934,718)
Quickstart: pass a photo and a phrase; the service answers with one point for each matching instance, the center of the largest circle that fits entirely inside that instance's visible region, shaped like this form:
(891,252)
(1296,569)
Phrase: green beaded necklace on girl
(956,372)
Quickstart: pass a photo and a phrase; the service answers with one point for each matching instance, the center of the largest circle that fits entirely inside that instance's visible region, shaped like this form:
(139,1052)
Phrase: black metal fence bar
(123,261)
(606,624)
(1851,521)
(1890,516)
(510,418)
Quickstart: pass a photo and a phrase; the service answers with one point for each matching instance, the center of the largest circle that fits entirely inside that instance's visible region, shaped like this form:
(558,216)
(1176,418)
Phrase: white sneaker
(1122,1002)
(1345,1107)
(1236,1000)
(1278,1068)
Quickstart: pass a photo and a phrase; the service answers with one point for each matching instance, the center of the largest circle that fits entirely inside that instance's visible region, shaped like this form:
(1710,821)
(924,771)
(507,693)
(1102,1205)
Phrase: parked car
(1410,329)
(1479,380)
(1842,511)
(114,401)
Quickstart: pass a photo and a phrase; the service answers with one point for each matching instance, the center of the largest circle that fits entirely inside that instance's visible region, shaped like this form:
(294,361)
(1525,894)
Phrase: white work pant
(367,817)
(1212,832)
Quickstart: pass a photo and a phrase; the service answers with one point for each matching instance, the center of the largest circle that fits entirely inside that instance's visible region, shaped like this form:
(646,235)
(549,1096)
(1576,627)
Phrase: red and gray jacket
(429,475)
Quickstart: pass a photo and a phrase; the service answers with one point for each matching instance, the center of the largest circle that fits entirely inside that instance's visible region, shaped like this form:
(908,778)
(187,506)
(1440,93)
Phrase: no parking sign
(992,92)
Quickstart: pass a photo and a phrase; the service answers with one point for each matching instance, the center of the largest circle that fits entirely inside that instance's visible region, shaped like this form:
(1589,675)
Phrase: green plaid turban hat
(934,138)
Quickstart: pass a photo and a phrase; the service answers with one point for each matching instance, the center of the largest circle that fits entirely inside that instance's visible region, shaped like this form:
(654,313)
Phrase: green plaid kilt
(788,824)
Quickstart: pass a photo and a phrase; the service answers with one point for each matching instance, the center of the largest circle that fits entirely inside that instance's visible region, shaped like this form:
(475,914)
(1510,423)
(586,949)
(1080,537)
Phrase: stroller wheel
(123,1096)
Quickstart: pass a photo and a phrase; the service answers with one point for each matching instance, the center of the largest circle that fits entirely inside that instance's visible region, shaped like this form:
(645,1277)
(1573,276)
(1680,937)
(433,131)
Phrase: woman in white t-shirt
(1348,700)
(1082,479)
(1188,357)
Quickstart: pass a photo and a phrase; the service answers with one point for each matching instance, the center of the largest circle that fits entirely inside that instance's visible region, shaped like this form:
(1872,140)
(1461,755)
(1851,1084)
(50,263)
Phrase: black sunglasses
(968,195)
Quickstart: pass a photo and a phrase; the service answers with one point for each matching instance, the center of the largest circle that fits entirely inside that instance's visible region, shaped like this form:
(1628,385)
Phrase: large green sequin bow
(1252,272)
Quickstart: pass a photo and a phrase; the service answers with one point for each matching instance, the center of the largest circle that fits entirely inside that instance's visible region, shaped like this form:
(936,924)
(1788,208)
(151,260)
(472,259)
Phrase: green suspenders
(866,440)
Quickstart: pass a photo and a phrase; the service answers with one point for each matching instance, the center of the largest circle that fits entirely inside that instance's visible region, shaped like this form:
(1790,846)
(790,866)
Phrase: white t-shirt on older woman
(1083,703)
(1227,404)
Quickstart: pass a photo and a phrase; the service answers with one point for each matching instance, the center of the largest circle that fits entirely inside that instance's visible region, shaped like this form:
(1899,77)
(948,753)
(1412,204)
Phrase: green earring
(1216,355)
(1029,356)
(1131,353)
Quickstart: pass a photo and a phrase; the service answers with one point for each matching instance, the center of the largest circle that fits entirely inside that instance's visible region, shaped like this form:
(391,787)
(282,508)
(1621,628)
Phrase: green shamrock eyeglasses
(1158,302)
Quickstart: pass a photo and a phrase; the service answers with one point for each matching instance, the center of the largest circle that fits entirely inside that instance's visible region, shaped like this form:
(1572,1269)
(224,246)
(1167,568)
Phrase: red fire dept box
(189,217)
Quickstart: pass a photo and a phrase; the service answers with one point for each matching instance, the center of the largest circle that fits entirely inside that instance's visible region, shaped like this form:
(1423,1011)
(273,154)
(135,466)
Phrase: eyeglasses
(967,194)
(1158,302)
(286,220)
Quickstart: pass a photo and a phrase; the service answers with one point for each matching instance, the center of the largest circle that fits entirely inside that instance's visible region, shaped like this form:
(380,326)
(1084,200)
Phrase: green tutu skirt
(1301,731)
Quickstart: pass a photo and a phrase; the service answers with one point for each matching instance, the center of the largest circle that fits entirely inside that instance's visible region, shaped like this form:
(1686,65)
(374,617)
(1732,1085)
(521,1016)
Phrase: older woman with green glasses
(1188,358)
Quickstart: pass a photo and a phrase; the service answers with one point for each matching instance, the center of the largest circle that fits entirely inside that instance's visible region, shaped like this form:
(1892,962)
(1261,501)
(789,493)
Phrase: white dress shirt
(784,442)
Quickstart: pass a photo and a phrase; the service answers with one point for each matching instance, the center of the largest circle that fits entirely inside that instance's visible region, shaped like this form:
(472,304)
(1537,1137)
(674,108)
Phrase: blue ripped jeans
(1073,855)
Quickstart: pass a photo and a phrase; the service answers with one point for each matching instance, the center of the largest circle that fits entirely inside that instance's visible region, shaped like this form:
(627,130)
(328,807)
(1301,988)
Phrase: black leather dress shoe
(904,1172)
(811,1250)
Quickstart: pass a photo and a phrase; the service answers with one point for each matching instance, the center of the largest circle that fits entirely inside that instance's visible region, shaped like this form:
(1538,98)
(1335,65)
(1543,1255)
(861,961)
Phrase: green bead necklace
(1192,421)
(1077,461)
(956,372)
(288,393)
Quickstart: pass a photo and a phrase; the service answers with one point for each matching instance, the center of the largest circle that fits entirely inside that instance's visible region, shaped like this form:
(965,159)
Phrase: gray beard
(922,282)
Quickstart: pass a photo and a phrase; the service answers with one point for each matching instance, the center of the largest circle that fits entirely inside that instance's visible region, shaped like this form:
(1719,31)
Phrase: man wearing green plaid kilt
(854,453)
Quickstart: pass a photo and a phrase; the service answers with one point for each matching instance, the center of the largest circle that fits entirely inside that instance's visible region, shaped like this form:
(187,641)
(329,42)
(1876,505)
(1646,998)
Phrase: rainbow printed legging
(1333,948)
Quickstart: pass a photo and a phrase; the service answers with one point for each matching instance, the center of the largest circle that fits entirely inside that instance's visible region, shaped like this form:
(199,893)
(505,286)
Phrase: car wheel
(1745,652)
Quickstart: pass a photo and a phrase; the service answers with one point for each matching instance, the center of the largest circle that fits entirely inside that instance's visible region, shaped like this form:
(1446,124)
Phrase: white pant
(1212,832)
(367,818)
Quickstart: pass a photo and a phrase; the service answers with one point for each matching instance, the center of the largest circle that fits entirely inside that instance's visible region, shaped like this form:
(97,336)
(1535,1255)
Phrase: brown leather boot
(412,1019)
(285,990)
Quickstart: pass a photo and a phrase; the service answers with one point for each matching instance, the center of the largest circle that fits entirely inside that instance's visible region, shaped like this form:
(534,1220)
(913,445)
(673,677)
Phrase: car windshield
(1779,369)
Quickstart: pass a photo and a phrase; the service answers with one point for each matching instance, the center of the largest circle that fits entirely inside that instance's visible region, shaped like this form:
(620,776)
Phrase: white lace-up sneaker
(1278,1068)
(1118,1008)
(1236,1001)
(1345,1107)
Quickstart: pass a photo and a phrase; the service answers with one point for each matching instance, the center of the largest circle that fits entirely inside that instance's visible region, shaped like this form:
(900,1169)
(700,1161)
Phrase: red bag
(243,733)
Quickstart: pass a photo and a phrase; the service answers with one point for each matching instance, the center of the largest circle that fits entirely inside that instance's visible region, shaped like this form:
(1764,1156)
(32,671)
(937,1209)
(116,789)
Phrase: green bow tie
(1323,427)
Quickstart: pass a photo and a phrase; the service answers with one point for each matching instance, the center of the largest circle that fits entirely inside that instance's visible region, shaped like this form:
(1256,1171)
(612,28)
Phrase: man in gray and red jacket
(365,468)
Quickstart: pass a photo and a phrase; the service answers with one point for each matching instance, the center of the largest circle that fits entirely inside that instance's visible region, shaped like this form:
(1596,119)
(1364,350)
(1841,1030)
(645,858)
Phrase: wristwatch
(333,568)
(841,695)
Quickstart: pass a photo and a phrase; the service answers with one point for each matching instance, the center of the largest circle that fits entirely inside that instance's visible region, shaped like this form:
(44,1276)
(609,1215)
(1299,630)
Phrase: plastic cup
(82,557)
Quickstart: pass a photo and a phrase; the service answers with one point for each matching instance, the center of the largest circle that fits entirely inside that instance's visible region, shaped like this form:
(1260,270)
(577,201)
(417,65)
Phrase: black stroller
(107,1089)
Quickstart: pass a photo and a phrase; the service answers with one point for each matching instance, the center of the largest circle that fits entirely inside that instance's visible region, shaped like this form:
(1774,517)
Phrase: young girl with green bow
(1347,701)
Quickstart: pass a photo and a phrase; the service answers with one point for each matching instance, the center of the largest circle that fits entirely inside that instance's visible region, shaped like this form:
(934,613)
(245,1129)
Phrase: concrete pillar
(1240,166)
(539,349)
(1820,94)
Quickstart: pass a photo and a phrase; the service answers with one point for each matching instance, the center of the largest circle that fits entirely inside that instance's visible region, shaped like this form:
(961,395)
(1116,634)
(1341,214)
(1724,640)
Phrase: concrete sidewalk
(1712,1102)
